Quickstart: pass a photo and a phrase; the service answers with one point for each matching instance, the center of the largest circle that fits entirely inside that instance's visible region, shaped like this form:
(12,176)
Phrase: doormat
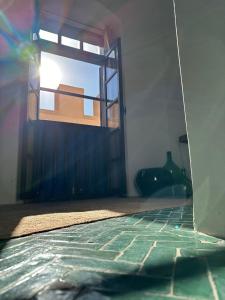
(25,219)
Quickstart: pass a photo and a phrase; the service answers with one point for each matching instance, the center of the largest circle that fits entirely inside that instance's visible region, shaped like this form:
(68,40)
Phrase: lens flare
(27,52)
(50,74)
(5,4)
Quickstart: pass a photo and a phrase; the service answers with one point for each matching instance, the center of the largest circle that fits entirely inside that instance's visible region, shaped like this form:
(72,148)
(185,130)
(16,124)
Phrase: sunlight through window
(70,42)
(92,48)
(48,36)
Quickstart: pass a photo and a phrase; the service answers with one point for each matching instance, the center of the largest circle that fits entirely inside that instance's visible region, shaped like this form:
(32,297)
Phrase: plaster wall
(152,89)
(12,95)
(201,36)
(151,81)
(152,92)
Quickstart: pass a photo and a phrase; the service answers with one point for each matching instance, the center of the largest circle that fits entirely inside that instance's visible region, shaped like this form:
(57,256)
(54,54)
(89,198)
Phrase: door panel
(70,162)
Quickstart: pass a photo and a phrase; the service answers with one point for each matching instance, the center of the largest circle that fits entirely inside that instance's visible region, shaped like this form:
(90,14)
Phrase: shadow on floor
(188,270)
(190,273)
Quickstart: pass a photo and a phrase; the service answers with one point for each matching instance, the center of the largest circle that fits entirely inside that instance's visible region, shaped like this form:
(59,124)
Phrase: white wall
(155,117)
(201,33)
(155,114)
(11,99)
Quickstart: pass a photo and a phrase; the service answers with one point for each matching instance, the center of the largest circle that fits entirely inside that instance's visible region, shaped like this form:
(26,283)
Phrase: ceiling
(89,12)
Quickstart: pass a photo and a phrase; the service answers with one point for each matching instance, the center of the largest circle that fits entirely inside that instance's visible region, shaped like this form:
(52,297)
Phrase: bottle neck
(169,156)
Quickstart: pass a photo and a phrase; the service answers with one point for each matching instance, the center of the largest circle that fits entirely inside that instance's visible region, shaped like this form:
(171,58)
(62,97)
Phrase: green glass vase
(181,183)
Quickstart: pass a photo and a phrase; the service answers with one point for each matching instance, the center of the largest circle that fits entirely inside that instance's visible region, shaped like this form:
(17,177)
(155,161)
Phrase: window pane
(58,72)
(35,37)
(69,109)
(70,42)
(88,107)
(113,88)
(47,100)
(92,48)
(113,116)
(111,65)
(49,36)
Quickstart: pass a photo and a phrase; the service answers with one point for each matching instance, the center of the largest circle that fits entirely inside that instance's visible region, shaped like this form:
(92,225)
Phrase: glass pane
(71,109)
(70,42)
(47,100)
(91,48)
(58,72)
(111,65)
(48,36)
(113,88)
(35,37)
(113,116)
(88,107)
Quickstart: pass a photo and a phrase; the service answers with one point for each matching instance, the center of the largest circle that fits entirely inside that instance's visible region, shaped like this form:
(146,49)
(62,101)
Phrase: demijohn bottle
(178,188)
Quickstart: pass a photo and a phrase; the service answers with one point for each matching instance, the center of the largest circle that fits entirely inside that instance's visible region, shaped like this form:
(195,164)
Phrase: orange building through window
(70,109)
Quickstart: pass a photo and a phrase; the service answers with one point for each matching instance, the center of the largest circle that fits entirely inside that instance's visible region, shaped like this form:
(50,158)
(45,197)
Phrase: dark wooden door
(69,162)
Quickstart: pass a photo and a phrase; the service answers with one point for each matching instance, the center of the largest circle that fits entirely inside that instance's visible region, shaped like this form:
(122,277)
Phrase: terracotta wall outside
(71,109)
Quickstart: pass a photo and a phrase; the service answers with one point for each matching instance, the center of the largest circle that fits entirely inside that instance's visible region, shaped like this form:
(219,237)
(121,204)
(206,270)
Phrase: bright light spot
(50,74)
(70,42)
(92,48)
(48,36)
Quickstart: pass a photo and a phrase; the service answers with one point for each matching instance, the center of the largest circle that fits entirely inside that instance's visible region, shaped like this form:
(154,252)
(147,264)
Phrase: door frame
(26,122)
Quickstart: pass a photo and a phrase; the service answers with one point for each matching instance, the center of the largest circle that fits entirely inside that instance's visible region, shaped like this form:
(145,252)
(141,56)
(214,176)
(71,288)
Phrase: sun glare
(50,74)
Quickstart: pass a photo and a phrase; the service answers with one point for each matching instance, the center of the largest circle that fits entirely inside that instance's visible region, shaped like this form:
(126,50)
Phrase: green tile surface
(150,255)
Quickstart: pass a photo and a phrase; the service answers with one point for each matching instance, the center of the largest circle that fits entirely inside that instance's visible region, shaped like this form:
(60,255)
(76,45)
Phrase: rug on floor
(24,219)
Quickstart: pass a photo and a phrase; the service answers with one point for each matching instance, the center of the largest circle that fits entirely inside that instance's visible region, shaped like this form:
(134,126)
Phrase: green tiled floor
(151,255)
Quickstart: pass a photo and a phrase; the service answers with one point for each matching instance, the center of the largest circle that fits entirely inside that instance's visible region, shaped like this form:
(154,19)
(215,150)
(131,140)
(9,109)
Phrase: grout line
(146,256)
(60,248)
(166,223)
(149,225)
(173,271)
(168,296)
(62,256)
(109,242)
(211,281)
(138,221)
(23,279)
(178,253)
(125,249)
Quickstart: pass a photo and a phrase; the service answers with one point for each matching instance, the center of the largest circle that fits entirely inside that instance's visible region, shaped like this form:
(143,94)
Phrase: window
(113,88)
(35,37)
(69,76)
(88,108)
(70,42)
(91,48)
(47,100)
(111,67)
(48,36)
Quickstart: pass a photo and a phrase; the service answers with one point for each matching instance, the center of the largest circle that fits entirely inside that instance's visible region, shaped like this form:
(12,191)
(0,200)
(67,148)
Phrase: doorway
(73,146)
